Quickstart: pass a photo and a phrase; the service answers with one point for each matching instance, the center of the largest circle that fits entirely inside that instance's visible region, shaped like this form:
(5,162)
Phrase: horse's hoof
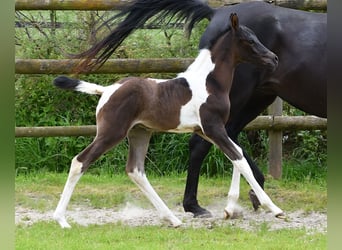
(281,216)
(254,199)
(198,211)
(203,214)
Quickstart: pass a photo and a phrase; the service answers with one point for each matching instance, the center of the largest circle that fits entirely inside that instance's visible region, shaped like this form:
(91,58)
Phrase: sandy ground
(132,215)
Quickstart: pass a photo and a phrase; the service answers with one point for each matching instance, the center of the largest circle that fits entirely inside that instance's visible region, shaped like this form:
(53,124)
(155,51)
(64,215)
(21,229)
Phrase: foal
(197,100)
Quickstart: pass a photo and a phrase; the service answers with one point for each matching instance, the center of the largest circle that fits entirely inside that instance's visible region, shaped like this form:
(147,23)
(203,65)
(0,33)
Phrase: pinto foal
(197,100)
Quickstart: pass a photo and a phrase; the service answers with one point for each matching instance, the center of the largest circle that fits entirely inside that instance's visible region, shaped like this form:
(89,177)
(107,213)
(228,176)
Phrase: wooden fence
(275,123)
(112,66)
(271,123)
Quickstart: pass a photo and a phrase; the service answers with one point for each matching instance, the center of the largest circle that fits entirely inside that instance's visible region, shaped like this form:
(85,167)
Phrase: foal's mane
(216,36)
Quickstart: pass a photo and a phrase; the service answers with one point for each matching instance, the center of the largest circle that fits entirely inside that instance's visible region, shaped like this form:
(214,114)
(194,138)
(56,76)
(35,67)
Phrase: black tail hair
(64,82)
(137,13)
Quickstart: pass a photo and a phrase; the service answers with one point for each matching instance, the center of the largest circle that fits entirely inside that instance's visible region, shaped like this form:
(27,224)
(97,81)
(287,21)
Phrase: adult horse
(297,37)
(197,100)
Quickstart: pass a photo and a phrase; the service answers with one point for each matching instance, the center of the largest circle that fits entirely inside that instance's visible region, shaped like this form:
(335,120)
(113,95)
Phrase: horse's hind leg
(138,139)
(79,165)
(199,149)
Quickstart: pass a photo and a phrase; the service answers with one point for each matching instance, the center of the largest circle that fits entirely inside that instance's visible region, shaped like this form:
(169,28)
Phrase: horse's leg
(217,134)
(257,103)
(80,163)
(199,148)
(138,139)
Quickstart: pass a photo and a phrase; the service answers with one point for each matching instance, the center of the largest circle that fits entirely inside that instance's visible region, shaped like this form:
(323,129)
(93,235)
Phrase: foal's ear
(234,21)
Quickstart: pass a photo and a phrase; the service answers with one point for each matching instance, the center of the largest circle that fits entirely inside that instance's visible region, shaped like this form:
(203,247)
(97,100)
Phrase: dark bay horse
(197,100)
(299,39)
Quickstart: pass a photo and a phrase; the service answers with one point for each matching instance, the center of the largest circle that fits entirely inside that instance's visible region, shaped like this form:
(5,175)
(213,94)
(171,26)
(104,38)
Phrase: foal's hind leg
(138,139)
(79,165)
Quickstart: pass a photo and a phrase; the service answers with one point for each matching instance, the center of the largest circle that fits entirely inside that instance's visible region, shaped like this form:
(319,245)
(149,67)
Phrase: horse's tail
(137,13)
(64,82)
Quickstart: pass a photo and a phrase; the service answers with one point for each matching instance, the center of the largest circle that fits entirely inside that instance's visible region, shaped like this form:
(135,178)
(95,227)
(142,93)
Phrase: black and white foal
(195,101)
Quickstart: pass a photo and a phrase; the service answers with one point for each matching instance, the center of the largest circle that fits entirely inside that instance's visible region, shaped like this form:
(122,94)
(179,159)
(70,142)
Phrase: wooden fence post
(275,142)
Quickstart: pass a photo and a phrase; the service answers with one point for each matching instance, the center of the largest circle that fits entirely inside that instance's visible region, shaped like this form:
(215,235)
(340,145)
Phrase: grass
(113,236)
(41,191)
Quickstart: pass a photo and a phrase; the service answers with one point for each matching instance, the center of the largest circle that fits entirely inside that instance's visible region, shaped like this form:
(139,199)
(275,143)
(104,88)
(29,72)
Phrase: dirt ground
(133,215)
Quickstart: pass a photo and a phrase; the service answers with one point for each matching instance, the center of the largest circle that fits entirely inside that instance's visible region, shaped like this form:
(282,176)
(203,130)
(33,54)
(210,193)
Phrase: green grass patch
(115,236)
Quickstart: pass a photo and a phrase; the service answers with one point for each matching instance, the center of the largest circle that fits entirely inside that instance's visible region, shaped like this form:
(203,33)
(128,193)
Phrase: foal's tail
(137,14)
(64,82)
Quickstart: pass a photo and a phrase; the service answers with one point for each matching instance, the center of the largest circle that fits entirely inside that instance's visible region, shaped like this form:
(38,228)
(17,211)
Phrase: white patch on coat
(196,76)
(107,93)
(158,80)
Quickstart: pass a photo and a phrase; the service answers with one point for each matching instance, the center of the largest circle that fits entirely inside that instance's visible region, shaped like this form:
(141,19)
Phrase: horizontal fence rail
(67,25)
(112,66)
(261,122)
(119,4)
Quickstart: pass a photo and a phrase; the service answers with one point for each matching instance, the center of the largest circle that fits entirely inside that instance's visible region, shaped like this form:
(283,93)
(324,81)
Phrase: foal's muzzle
(271,61)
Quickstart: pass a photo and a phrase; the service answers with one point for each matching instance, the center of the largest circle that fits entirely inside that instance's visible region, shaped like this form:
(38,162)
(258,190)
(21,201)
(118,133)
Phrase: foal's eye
(251,42)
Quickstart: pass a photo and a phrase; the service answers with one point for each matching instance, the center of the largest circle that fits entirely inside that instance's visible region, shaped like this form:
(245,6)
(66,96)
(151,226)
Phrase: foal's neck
(201,67)
(220,70)
(224,58)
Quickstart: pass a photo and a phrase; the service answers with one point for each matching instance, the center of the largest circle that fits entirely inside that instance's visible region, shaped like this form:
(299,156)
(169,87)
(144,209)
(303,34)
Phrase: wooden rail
(112,66)
(119,4)
(261,122)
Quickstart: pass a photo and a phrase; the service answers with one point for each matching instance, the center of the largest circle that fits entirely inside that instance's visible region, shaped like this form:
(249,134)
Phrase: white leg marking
(233,195)
(245,170)
(74,175)
(142,182)
(243,167)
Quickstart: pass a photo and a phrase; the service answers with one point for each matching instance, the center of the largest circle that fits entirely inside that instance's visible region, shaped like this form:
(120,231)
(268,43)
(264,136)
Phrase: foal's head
(240,44)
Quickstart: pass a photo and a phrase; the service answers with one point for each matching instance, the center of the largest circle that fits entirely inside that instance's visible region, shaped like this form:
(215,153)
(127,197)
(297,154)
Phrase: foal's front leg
(218,135)
(138,139)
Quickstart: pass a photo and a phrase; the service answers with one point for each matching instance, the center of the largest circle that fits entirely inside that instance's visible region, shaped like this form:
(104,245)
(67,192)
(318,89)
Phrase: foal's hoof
(62,222)
(234,215)
(175,222)
(226,215)
(281,216)
(254,199)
